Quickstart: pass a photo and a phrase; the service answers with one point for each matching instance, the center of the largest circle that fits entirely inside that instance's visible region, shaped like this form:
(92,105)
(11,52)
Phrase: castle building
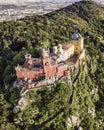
(50,67)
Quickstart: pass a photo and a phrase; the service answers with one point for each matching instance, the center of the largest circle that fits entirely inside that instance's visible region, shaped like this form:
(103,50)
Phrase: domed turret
(76,36)
(78,41)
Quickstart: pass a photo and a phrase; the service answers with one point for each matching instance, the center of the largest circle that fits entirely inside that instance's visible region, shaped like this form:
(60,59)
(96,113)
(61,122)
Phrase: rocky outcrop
(93,91)
(23,92)
(91,111)
(22,103)
(73,121)
(80,128)
(17,121)
(16,109)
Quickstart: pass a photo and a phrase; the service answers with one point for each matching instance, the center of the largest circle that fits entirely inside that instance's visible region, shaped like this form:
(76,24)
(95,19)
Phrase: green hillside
(51,108)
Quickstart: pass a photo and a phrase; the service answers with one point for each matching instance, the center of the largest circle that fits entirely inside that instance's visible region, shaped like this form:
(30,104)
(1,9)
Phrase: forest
(50,108)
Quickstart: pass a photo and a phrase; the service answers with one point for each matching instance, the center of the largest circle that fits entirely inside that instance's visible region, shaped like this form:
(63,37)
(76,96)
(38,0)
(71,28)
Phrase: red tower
(46,63)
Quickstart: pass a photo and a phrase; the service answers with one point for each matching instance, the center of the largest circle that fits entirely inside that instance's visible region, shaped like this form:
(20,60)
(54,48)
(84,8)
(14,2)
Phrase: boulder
(69,122)
(17,121)
(22,101)
(80,128)
(73,121)
(16,109)
(91,111)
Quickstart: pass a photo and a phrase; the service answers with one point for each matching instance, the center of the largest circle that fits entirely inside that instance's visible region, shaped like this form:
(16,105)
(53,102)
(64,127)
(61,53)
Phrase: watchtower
(78,41)
(46,62)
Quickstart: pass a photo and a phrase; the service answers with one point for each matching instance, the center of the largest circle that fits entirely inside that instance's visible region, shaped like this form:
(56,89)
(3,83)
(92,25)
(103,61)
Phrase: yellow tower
(78,41)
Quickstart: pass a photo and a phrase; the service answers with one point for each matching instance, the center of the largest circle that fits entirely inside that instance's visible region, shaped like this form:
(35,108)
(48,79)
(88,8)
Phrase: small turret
(45,52)
(60,50)
(28,56)
(55,50)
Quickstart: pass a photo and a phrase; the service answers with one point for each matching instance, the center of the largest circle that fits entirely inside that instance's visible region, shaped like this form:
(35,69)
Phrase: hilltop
(62,107)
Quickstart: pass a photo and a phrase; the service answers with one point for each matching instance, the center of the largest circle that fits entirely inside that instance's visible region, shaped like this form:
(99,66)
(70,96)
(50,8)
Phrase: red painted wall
(29,74)
(61,70)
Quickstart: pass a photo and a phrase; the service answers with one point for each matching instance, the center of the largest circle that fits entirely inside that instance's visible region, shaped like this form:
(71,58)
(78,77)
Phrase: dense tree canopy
(49,108)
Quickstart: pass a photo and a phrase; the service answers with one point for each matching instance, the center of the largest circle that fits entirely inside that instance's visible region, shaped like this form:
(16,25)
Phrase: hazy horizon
(23,1)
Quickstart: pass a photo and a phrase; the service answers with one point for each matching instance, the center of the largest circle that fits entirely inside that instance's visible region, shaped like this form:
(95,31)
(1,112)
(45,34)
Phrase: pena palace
(50,67)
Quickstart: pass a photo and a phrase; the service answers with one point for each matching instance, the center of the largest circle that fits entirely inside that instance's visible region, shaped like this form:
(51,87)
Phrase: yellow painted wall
(69,52)
(78,45)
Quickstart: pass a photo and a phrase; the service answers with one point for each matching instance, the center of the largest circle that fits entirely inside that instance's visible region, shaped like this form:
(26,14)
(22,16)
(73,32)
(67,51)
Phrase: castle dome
(76,36)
